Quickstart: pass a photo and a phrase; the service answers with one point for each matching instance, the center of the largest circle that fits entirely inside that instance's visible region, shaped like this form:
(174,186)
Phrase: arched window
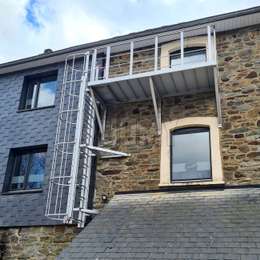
(191,55)
(190,154)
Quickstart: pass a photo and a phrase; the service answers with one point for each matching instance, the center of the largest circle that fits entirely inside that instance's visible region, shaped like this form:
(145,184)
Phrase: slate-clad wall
(20,129)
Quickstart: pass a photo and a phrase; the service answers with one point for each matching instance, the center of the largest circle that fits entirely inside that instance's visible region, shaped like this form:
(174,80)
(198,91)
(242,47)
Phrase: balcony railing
(154,54)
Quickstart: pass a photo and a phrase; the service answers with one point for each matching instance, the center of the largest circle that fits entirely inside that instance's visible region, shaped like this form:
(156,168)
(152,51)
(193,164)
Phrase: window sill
(33,109)
(198,183)
(21,191)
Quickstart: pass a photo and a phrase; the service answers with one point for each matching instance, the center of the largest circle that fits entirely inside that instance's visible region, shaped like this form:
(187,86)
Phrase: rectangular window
(190,154)
(26,168)
(39,91)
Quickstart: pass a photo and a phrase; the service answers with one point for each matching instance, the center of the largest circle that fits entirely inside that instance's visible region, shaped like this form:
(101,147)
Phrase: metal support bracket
(87,211)
(100,150)
(218,98)
(100,120)
(156,105)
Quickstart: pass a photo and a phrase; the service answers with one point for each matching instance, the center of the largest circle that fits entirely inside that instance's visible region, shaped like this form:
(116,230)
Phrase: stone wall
(34,243)
(239,67)
(143,61)
(131,127)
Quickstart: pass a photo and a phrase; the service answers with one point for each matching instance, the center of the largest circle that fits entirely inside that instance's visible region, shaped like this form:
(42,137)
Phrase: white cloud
(64,23)
(61,25)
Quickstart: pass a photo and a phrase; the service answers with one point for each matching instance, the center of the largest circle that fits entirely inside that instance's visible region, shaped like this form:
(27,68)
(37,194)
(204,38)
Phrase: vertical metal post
(156,52)
(107,62)
(93,65)
(96,111)
(97,72)
(157,109)
(182,46)
(218,100)
(215,45)
(104,122)
(209,53)
(131,58)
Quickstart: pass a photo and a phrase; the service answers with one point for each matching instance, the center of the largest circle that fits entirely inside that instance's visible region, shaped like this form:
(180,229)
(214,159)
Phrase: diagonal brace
(218,98)
(100,121)
(156,105)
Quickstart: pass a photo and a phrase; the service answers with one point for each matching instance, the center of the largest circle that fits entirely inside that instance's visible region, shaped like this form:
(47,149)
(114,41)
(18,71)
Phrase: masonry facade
(130,127)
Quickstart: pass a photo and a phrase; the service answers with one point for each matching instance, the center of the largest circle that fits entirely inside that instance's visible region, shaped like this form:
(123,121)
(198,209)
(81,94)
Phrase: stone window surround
(198,41)
(168,127)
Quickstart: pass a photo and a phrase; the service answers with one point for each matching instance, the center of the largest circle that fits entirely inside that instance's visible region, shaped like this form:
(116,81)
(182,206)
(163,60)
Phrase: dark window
(39,91)
(190,154)
(191,55)
(26,168)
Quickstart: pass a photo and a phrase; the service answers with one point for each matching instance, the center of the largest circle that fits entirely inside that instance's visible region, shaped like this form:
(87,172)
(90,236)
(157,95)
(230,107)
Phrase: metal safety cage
(69,182)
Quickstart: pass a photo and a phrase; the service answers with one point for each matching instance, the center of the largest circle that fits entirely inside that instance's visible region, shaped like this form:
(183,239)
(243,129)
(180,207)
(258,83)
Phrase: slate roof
(213,224)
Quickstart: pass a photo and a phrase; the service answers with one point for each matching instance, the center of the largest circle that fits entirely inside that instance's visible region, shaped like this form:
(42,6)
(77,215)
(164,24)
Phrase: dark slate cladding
(22,129)
(213,224)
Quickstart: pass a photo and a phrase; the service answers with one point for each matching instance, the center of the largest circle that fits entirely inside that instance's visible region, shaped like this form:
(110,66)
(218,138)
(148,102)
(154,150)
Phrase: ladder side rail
(67,116)
(87,163)
(72,95)
(87,118)
(55,153)
(76,150)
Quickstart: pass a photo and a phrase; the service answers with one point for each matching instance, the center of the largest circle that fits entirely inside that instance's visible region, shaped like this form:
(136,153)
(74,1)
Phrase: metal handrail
(127,66)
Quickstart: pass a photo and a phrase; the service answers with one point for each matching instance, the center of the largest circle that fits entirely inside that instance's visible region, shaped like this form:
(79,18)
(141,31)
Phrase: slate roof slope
(219,224)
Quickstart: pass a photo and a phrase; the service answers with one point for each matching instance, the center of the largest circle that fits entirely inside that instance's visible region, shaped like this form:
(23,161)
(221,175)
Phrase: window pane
(21,166)
(46,95)
(191,154)
(195,56)
(190,56)
(36,171)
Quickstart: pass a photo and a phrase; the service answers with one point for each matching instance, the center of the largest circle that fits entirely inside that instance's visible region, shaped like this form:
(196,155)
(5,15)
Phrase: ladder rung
(60,184)
(60,177)
(60,143)
(72,81)
(72,95)
(68,110)
(62,151)
(68,122)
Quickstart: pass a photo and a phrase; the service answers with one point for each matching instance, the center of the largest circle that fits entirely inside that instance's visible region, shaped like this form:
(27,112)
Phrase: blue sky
(29,26)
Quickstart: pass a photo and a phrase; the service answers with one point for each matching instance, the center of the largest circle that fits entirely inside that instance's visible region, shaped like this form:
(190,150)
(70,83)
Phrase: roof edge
(133,35)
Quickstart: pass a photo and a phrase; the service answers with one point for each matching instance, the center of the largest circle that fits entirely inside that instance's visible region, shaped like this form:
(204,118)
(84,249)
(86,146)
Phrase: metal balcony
(169,64)
(122,72)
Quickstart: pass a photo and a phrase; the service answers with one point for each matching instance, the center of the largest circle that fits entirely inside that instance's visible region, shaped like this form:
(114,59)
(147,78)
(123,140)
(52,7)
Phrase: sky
(28,27)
